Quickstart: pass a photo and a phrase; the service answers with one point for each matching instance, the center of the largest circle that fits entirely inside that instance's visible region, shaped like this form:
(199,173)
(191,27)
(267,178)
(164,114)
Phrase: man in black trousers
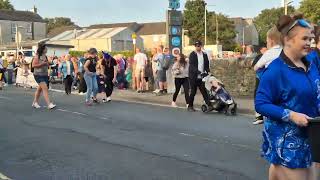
(198,64)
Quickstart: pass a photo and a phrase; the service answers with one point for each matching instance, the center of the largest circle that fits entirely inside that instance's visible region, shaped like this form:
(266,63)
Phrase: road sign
(134,36)
(176,41)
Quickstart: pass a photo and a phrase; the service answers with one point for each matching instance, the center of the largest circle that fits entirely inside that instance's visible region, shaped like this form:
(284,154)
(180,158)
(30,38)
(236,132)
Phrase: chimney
(35,9)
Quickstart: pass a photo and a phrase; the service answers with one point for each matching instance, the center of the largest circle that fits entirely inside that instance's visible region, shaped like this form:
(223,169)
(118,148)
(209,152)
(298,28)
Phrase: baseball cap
(198,43)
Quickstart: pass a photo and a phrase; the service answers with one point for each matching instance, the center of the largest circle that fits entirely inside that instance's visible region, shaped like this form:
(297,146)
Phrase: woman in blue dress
(287,96)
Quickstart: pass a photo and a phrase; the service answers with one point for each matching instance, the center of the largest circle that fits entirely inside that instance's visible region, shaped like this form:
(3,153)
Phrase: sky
(85,13)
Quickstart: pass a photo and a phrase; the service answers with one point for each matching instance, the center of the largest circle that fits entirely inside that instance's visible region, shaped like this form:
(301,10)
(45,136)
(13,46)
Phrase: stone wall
(237,75)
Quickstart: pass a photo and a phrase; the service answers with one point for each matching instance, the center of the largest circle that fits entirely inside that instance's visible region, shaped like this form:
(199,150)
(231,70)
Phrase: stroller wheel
(233,111)
(204,108)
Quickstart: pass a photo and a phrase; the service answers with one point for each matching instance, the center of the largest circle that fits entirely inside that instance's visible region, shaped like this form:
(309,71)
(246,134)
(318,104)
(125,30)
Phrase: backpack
(166,63)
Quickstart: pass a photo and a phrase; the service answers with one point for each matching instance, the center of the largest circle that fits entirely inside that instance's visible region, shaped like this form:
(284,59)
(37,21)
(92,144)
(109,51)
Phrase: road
(123,141)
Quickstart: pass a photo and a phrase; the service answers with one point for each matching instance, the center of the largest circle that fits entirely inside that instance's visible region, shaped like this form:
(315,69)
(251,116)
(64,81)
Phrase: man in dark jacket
(198,64)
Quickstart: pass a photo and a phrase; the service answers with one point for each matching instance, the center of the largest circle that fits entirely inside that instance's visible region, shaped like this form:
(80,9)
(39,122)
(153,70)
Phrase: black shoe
(165,91)
(258,120)
(210,108)
(191,109)
(95,101)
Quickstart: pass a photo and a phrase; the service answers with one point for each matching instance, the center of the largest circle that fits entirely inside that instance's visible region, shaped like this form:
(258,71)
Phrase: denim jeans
(92,85)
(10,76)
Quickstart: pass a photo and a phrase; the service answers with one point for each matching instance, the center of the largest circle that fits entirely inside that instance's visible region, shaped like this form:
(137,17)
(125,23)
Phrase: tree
(5,4)
(226,31)
(58,22)
(194,23)
(311,10)
(267,19)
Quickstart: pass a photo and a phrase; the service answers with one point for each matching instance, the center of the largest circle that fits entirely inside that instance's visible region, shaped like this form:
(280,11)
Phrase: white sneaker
(51,106)
(81,93)
(5,84)
(108,99)
(173,104)
(36,105)
(156,91)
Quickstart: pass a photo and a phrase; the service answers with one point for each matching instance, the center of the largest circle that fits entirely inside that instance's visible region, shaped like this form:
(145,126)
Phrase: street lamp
(18,38)
(286,4)
(205,24)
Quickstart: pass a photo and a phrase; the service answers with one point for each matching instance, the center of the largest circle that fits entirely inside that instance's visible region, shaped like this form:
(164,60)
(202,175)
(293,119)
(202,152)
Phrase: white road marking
(6,98)
(185,134)
(73,112)
(3,177)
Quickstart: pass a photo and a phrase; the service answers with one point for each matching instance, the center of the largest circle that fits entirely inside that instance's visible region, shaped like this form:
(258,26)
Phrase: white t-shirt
(68,68)
(270,55)
(141,60)
(200,62)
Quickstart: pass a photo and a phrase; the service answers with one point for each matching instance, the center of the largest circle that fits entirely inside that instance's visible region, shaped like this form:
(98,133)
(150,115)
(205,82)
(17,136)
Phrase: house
(103,38)
(27,25)
(247,33)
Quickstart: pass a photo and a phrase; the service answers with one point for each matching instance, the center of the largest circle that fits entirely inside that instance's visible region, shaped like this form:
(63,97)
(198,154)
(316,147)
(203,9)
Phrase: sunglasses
(300,22)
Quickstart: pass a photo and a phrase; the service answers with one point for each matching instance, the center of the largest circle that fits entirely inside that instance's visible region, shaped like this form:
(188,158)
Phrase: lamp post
(205,24)
(18,38)
(286,4)
(134,41)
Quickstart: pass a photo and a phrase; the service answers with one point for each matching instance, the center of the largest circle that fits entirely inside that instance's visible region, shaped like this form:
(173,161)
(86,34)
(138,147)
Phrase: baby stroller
(219,97)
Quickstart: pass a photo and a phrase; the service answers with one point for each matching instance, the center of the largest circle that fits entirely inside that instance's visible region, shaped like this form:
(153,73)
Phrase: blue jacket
(314,56)
(285,87)
(63,69)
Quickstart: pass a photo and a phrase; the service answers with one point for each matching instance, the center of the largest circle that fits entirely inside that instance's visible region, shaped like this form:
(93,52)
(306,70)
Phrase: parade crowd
(287,96)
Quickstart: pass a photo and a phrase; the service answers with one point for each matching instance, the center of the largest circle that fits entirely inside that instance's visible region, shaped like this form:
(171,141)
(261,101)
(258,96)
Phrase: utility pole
(286,4)
(205,23)
(217,30)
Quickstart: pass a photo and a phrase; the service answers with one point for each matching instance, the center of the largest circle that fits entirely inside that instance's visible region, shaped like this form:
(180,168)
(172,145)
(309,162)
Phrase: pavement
(123,141)
(245,105)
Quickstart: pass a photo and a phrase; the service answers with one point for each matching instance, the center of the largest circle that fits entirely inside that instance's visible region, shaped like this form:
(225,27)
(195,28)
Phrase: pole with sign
(174,27)
(134,41)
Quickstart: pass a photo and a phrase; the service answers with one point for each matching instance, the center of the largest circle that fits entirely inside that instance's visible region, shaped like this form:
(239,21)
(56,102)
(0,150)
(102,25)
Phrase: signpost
(134,41)
(174,27)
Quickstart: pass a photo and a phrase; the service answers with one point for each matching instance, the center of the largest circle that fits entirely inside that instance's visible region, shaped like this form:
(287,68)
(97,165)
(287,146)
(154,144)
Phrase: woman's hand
(299,118)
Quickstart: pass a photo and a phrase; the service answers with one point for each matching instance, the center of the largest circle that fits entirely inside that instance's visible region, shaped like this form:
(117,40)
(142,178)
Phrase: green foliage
(58,22)
(194,23)
(6,4)
(311,10)
(238,48)
(267,19)
(194,19)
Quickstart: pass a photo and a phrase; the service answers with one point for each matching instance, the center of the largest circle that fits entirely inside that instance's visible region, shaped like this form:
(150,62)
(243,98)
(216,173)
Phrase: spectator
(147,74)
(121,72)
(90,76)
(287,96)
(315,54)
(161,72)
(66,68)
(40,64)
(110,73)
(250,52)
(167,67)
(1,72)
(10,68)
(81,71)
(154,70)
(128,73)
(141,61)
(101,78)
(198,64)
(74,61)
(180,72)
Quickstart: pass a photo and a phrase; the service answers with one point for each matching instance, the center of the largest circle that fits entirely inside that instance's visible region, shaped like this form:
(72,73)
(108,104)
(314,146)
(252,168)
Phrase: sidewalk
(245,105)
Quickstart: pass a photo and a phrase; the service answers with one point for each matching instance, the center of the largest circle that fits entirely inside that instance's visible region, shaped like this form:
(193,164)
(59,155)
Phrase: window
(13,28)
(29,28)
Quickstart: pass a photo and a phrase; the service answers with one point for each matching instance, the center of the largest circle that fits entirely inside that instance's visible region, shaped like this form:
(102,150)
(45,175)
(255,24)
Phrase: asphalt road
(123,141)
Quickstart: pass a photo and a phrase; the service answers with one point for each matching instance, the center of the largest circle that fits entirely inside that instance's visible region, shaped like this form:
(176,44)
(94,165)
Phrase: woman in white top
(180,72)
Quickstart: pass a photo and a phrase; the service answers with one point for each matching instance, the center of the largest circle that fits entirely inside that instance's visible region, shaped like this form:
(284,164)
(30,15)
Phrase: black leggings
(178,83)
(109,87)
(67,84)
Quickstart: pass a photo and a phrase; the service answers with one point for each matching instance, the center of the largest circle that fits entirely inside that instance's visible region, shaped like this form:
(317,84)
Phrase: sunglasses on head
(300,22)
